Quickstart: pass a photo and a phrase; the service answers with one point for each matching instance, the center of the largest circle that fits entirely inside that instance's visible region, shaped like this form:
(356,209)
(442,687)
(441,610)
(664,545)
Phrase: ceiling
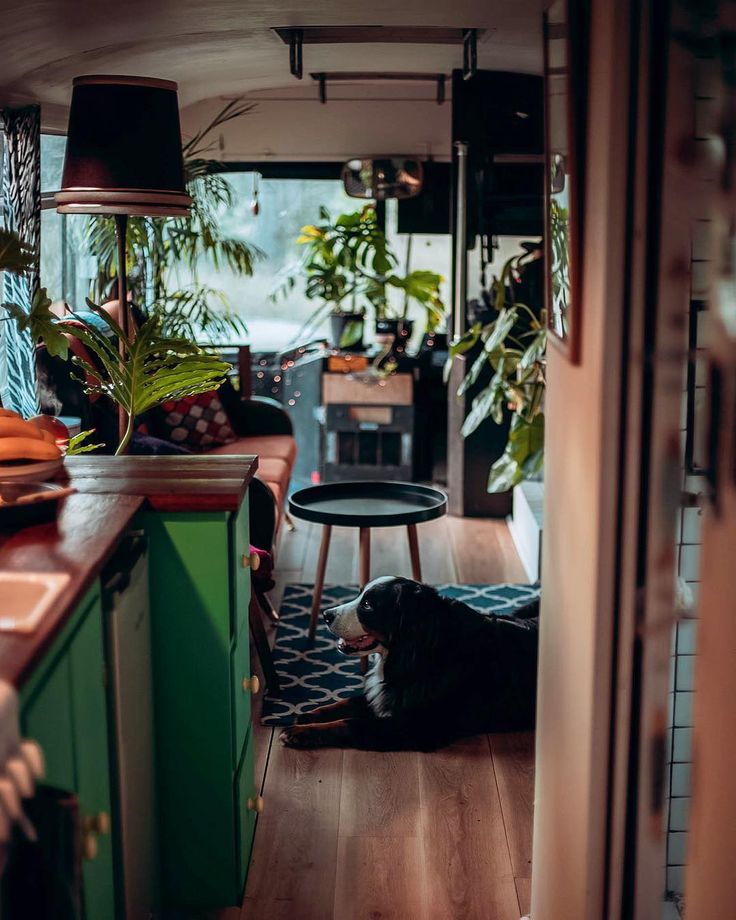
(225,47)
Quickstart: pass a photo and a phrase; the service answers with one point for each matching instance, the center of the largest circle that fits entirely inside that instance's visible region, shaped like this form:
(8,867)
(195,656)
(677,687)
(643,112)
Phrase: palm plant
(158,249)
(514,345)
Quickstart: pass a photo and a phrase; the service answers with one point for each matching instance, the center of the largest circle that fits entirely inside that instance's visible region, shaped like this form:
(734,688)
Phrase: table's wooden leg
(365,575)
(365,556)
(319,581)
(416,565)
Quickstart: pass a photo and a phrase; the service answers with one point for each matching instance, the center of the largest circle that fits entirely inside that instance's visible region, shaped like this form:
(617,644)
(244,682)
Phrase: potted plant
(419,286)
(339,257)
(348,266)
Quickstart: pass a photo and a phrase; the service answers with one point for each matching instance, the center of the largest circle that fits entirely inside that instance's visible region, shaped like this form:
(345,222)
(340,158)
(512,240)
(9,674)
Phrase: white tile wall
(688,543)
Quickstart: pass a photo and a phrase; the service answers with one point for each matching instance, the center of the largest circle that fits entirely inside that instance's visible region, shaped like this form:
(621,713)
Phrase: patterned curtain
(21,211)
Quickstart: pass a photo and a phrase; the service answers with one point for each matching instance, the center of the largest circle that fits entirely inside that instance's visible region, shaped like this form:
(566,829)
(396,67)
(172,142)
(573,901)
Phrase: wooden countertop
(188,483)
(79,542)
(91,523)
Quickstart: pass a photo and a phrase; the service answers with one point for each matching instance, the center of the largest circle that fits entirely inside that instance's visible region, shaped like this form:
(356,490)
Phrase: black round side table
(364,505)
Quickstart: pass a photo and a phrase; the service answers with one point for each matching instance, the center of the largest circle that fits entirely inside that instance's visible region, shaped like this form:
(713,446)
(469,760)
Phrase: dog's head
(386,610)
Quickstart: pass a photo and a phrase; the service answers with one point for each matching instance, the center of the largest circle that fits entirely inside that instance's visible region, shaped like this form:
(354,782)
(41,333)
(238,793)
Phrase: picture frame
(566,34)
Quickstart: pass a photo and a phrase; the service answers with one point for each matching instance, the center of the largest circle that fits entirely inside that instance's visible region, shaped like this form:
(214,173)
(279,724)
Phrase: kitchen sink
(25,597)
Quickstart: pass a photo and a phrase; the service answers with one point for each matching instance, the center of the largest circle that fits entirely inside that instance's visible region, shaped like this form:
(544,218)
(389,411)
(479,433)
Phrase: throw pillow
(195,422)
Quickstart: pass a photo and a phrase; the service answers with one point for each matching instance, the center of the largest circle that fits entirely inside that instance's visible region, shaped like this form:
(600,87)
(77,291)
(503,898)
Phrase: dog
(440,671)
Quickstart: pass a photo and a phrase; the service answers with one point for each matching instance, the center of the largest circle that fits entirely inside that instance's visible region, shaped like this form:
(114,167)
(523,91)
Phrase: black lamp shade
(123,150)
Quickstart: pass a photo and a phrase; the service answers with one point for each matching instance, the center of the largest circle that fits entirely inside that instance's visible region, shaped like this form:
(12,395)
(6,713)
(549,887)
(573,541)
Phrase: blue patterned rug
(315,674)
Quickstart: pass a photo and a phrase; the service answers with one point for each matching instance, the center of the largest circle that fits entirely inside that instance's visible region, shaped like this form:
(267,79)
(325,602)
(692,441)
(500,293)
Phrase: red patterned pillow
(196,422)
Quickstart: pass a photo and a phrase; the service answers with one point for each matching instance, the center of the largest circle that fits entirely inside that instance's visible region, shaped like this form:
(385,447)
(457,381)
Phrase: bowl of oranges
(29,448)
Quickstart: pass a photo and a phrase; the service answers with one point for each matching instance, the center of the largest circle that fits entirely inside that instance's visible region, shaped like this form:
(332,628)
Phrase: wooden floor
(355,835)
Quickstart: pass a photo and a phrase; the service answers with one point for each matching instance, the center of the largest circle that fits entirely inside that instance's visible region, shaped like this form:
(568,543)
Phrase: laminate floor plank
(379,877)
(292,870)
(468,867)
(484,552)
(513,762)
(292,546)
(389,552)
(380,794)
(342,561)
(435,552)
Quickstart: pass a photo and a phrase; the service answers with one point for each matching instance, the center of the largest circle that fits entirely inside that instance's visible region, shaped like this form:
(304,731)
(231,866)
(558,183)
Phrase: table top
(368,504)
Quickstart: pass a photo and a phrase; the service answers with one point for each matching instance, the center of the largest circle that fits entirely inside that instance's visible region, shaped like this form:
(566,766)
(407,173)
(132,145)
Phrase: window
(66,266)
(285,206)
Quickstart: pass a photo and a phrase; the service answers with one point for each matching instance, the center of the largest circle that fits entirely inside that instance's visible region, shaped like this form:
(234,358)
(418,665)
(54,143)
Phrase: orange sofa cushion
(277,446)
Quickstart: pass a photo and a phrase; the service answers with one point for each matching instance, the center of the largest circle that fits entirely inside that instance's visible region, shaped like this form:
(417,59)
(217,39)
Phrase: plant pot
(346,331)
(394,332)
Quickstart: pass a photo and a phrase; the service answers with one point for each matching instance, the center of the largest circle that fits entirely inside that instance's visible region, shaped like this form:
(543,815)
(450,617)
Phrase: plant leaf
(351,333)
(522,457)
(16,256)
(77,445)
(41,324)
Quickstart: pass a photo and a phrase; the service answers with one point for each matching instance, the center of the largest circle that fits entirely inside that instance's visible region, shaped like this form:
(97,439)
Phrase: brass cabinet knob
(251,684)
(256,804)
(96,824)
(89,846)
(251,561)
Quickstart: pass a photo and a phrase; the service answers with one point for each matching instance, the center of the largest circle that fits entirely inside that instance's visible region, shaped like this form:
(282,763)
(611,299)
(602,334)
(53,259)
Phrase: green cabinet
(200,591)
(63,708)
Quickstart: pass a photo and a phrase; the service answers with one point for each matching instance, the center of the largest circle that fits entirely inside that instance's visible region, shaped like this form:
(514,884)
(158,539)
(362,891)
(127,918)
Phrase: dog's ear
(415,627)
(409,587)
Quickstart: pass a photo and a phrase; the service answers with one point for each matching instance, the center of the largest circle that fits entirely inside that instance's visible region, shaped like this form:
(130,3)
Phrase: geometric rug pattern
(314,674)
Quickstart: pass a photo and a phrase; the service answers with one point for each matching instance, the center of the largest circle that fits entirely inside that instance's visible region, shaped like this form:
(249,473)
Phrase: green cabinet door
(86,666)
(64,710)
(200,591)
(48,719)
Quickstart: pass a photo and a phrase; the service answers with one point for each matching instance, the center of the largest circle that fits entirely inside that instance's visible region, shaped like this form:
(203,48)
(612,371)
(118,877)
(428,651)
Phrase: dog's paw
(301,736)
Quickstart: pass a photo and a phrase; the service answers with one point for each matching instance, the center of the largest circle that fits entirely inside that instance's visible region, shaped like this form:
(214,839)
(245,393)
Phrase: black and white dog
(442,671)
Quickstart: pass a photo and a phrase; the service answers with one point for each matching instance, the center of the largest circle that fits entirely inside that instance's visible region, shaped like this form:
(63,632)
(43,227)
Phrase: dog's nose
(329,616)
